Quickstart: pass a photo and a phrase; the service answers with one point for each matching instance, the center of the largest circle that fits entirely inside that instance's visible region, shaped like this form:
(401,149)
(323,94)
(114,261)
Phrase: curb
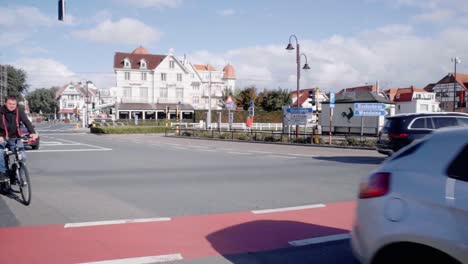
(274,143)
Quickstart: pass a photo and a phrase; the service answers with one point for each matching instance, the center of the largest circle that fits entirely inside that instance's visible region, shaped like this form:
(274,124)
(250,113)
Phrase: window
(419,123)
(457,168)
(425,107)
(196,87)
(163,92)
(440,122)
(462,121)
(180,92)
(179,77)
(143,76)
(142,64)
(127,75)
(196,100)
(144,92)
(171,64)
(127,92)
(127,63)
(163,77)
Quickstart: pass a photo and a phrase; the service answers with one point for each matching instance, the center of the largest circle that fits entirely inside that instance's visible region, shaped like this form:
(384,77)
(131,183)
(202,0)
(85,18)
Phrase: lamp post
(455,61)
(208,118)
(298,74)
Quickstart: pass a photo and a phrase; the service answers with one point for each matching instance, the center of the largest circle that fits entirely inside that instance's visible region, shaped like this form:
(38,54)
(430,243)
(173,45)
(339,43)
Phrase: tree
(17,85)
(43,100)
(274,100)
(244,96)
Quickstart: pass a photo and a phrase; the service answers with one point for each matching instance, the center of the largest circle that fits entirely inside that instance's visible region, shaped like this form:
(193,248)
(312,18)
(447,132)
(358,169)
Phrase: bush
(186,134)
(243,136)
(224,136)
(352,141)
(128,130)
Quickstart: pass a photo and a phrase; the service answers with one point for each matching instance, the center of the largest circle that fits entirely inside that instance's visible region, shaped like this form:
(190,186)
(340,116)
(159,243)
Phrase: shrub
(128,130)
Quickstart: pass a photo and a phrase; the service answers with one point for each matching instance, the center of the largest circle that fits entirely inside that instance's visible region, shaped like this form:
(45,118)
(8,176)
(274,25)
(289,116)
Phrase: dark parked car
(34,144)
(401,130)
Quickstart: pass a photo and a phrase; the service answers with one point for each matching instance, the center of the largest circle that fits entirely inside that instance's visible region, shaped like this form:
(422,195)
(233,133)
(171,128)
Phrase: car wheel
(36,147)
(405,252)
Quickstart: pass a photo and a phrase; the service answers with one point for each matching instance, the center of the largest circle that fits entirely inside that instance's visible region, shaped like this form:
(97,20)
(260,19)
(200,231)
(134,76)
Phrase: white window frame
(179,77)
(163,92)
(143,64)
(179,92)
(144,76)
(127,76)
(163,77)
(171,64)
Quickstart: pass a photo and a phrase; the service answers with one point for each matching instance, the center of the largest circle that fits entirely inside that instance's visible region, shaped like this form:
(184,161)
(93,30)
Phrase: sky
(346,42)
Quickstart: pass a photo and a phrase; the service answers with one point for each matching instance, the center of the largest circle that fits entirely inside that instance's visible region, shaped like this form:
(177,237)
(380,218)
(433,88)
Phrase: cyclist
(11,116)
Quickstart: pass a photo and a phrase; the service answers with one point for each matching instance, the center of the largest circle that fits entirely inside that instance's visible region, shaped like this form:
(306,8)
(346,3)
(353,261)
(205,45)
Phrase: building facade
(449,90)
(152,86)
(413,100)
(75,98)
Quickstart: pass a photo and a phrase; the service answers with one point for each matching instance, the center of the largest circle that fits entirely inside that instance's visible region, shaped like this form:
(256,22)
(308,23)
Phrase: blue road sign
(370,112)
(369,106)
(299,110)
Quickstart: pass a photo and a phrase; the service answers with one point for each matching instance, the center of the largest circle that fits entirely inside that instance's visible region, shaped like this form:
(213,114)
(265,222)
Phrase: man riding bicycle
(10,118)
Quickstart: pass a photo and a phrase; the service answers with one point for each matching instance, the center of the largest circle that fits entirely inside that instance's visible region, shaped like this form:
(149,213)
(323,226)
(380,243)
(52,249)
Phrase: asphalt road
(79,178)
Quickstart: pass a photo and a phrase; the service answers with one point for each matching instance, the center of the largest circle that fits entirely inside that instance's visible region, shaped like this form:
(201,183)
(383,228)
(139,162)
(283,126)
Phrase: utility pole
(208,118)
(455,61)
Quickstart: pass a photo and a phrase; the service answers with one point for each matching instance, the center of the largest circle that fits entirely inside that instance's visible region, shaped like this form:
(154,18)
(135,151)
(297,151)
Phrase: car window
(419,123)
(429,124)
(394,124)
(441,122)
(457,168)
(462,121)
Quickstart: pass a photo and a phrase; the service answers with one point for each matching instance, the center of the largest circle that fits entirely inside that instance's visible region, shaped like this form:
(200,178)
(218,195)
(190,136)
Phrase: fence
(255,126)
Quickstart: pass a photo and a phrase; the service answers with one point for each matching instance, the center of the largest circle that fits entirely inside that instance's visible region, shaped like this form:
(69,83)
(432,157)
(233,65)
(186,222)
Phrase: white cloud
(434,16)
(154,3)
(394,55)
(44,73)
(124,31)
(11,38)
(227,12)
(23,16)
(31,50)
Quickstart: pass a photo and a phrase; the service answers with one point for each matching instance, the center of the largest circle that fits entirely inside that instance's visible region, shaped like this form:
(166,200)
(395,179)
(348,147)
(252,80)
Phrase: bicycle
(17,170)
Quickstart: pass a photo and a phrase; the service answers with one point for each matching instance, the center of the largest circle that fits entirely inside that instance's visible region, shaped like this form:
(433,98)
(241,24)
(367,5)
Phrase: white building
(413,100)
(444,91)
(147,85)
(304,98)
(72,100)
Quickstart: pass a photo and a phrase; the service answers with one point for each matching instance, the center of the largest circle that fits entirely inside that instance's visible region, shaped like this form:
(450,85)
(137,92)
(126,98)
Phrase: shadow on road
(353,159)
(266,241)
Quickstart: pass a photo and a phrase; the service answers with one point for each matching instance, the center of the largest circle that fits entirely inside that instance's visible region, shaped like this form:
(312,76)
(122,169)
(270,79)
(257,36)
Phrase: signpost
(332,106)
(229,103)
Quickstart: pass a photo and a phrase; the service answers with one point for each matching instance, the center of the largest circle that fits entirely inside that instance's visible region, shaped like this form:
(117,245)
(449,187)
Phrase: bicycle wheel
(24,183)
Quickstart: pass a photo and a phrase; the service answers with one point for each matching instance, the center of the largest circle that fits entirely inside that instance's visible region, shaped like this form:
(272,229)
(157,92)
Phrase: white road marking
(261,152)
(283,157)
(61,134)
(170,144)
(266,211)
(202,147)
(117,222)
(239,153)
(141,260)
(69,141)
(302,155)
(182,148)
(318,240)
(227,149)
(209,150)
(67,150)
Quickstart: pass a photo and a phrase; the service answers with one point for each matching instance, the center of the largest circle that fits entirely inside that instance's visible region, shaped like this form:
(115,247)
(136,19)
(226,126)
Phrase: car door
(457,192)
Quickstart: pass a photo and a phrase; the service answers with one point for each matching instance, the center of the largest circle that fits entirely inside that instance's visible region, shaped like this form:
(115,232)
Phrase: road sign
(370,112)
(297,116)
(299,110)
(229,100)
(369,106)
(230,106)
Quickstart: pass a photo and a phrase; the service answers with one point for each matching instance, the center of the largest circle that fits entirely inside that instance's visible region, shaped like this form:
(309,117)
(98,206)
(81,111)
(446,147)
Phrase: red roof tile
(366,88)
(203,67)
(152,60)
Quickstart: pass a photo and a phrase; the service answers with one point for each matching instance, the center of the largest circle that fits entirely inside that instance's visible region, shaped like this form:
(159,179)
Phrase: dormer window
(143,64)
(127,63)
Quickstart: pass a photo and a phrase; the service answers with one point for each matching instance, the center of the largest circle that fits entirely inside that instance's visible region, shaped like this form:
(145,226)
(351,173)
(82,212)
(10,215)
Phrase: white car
(415,206)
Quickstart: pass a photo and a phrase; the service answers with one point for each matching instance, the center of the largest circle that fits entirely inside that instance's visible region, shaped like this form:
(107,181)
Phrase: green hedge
(240,116)
(128,130)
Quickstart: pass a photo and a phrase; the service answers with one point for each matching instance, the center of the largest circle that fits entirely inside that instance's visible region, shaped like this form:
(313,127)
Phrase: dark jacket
(12,120)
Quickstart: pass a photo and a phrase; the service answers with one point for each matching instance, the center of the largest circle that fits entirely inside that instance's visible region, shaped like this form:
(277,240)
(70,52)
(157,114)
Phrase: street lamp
(298,75)
(455,61)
